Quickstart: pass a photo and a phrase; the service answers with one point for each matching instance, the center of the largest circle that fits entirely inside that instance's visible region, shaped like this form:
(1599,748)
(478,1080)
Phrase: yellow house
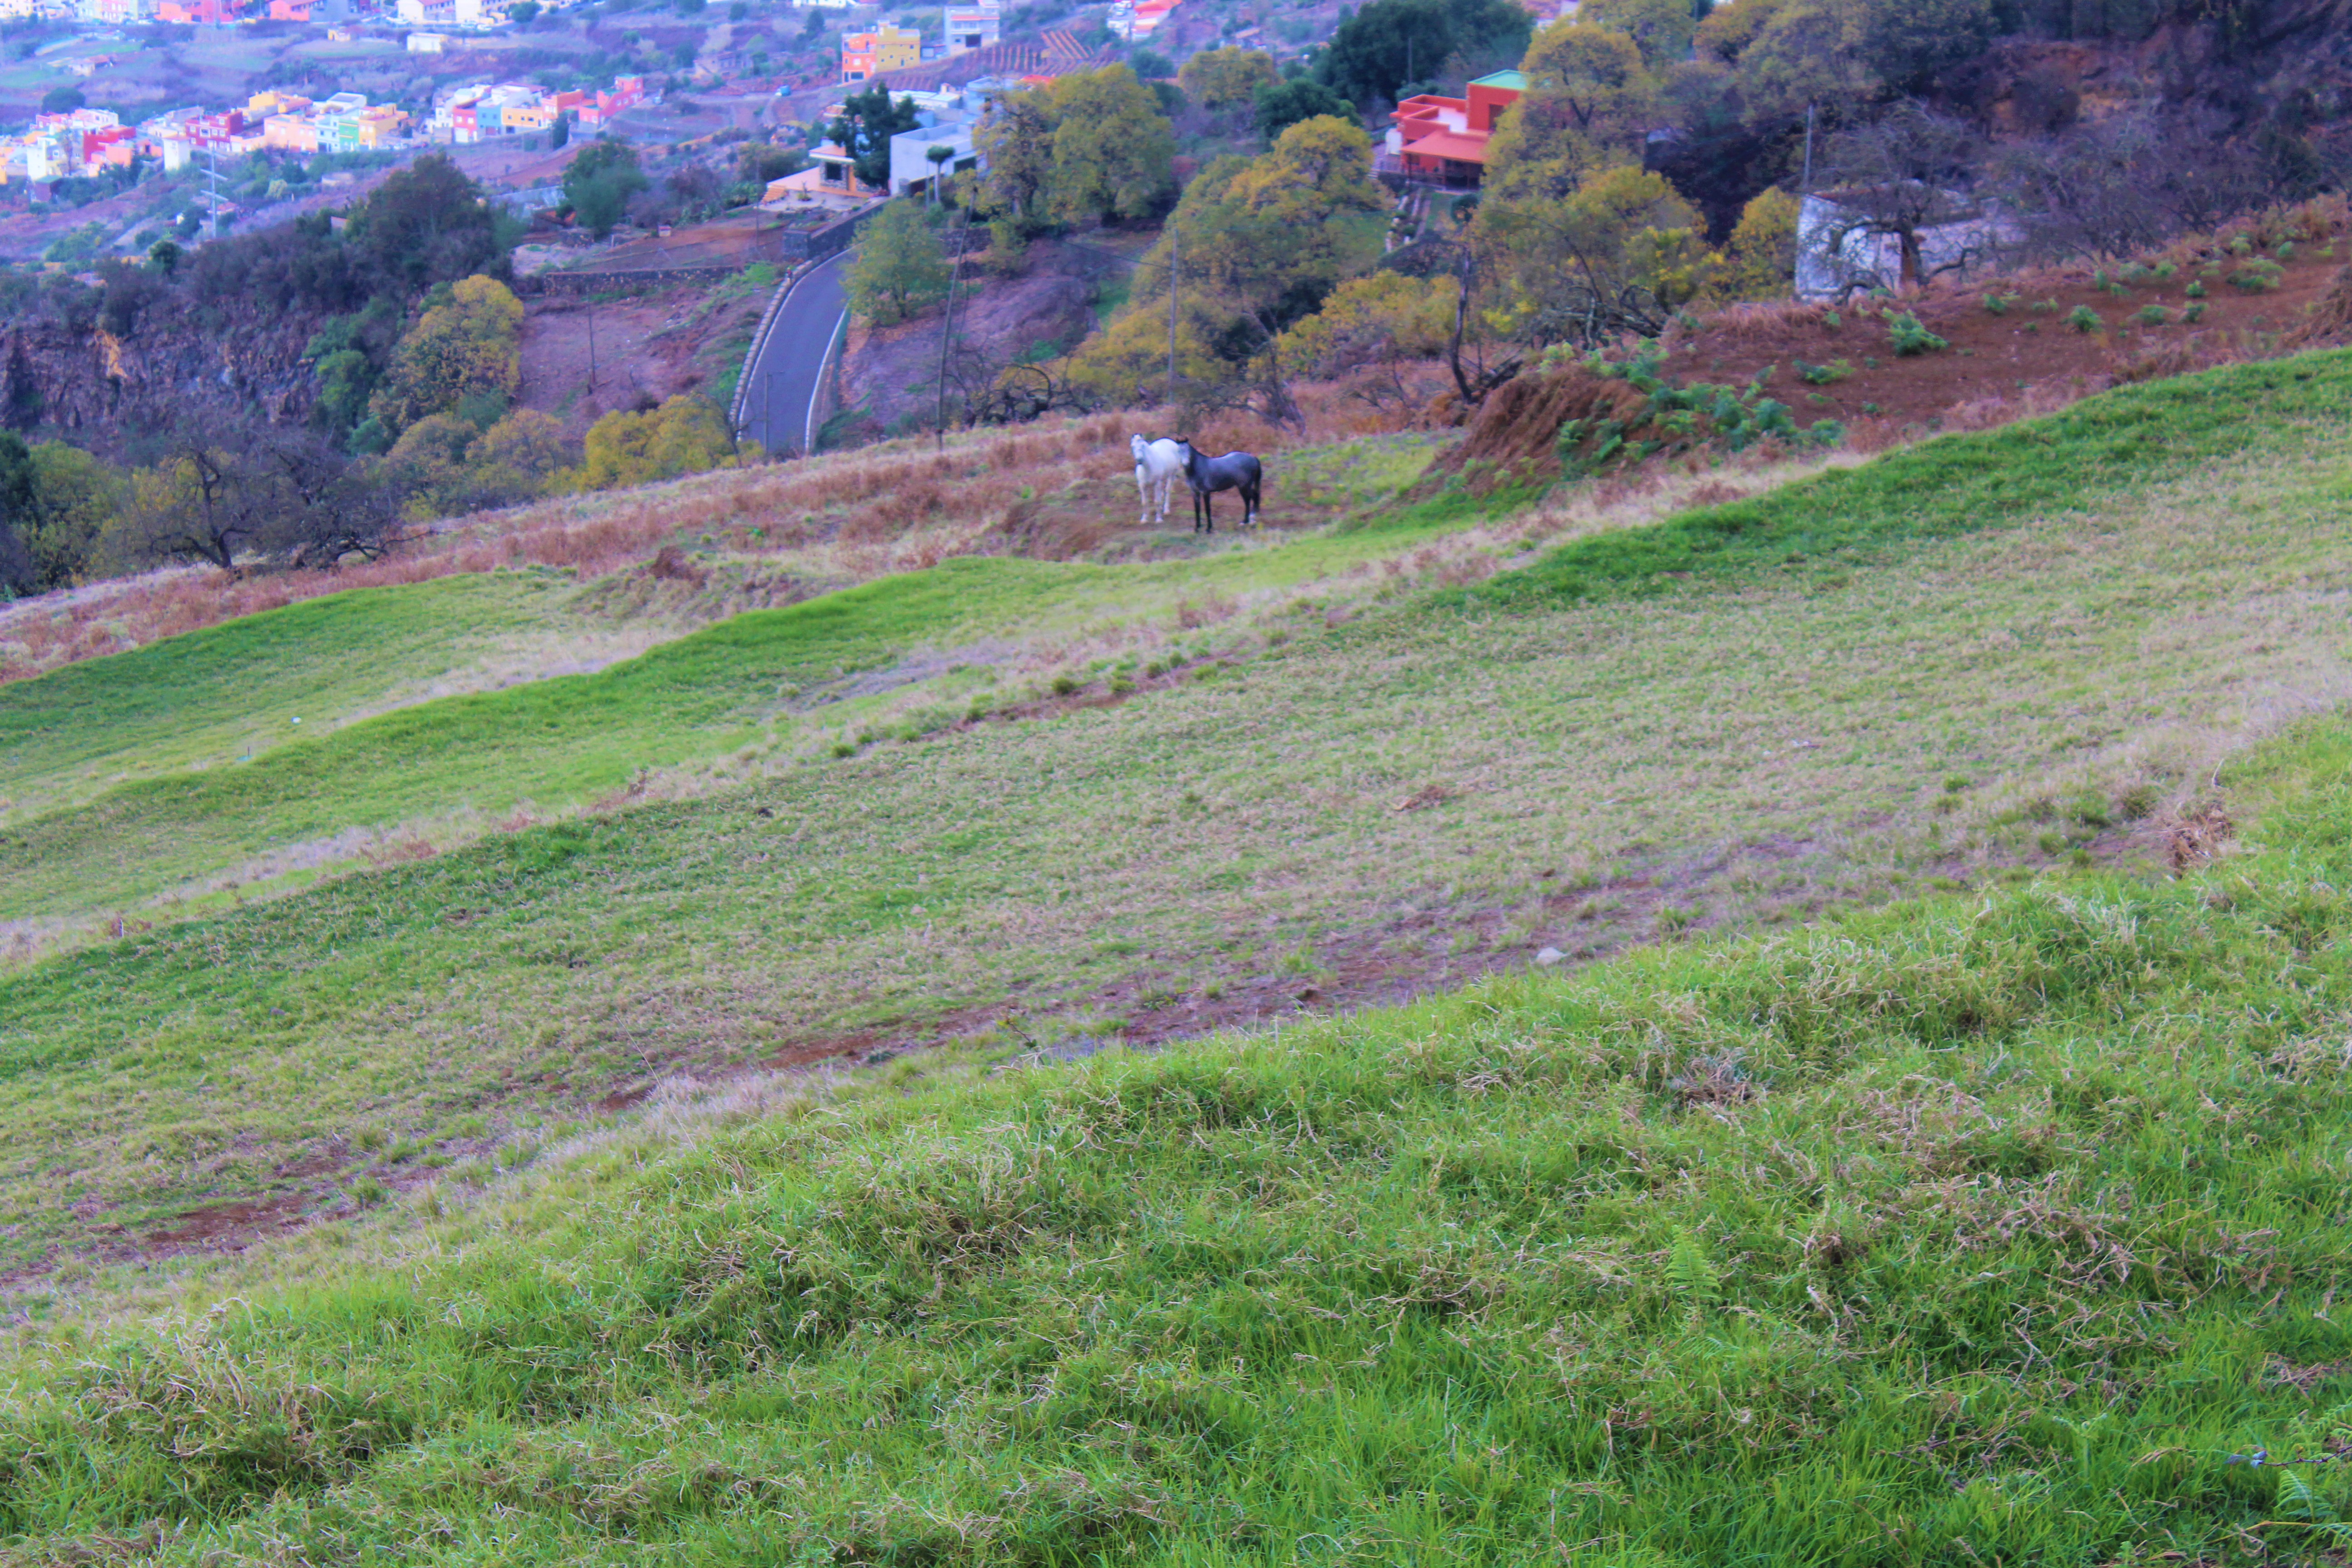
(886,48)
(380,125)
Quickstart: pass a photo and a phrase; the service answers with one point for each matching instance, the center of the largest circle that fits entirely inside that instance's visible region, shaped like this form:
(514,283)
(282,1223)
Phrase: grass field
(1982,1230)
(1932,692)
(228,693)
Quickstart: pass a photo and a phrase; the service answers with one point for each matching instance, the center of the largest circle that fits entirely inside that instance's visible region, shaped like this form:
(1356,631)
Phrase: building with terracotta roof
(1442,141)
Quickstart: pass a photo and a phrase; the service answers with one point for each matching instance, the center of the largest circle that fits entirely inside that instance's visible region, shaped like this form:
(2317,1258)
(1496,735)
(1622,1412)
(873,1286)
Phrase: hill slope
(1985,1230)
(1979,654)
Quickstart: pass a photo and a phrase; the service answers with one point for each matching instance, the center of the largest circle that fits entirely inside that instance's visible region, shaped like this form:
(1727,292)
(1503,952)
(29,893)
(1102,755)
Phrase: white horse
(1159,463)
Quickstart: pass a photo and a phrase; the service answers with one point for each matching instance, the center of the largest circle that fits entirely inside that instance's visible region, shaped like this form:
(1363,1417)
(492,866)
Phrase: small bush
(2166,271)
(2242,245)
(2043,307)
(2285,252)
(845,748)
(2195,290)
(2257,276)
(1832,321)
(1999,304)
(2194,314)
(2151,315)
(1910,337)
(2083,318)
(1066,685)
(1822,375)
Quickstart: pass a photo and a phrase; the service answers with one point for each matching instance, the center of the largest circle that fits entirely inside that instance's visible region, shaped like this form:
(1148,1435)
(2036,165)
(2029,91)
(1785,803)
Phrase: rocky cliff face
(70,374)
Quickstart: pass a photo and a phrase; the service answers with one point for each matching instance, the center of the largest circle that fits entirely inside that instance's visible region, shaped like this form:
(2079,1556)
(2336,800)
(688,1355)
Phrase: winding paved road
(785,383)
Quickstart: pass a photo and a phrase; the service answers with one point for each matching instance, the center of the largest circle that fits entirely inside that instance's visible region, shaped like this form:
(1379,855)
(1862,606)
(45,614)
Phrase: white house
(910,164)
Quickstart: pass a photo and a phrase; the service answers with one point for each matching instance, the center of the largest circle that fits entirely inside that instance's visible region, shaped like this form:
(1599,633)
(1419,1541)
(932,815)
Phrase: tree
(1369,329)
(523,13)
(72,498)
(1896,177)
(1807,52)
(1221,80)
(1763,247)
(1618,255)
(1263,240)
(900,267)
(17,574)
(1016,142)
(426,223)
(1283,104)
(868,121)
(164,255)
(685,435)
(62,100)
(1597,74)
(559,135)
(1909,43)
(525,450)
(465,345)
(1391,42)
(1114,150)
(284,495)
(599,181)
(1662,29)
(1150,65)
(1589,105)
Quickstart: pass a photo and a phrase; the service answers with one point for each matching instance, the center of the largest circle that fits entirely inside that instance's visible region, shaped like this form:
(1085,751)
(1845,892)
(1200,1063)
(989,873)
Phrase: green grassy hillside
(1426,792)
(1983,1230)
(147,733)
(216,697)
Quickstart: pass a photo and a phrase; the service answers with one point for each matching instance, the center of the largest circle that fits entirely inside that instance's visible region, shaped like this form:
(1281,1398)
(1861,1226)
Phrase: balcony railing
(1392,170)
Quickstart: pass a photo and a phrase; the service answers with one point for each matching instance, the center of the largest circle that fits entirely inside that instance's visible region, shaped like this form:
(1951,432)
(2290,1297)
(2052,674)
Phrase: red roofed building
(1442,141)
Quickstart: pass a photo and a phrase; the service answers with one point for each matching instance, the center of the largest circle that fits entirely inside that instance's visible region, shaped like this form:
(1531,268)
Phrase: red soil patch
(2028,358)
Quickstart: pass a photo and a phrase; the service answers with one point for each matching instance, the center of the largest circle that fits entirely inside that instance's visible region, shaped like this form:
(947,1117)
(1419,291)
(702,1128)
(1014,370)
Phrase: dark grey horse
(1207,476)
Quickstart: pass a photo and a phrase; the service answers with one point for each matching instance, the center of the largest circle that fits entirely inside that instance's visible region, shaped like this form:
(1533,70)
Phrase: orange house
(1442,141)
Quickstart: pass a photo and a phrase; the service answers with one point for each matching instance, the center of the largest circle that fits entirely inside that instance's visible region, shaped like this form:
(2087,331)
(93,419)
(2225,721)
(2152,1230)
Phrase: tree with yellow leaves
(685,435)
(1662,29)
(466,344)
(1260,242)
(1763,249)
(1621,254)
(1114,150)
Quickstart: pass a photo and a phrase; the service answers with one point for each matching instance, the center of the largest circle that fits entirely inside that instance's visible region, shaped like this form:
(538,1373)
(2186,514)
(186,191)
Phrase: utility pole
(1174,240)
(1804,194)
(592,347)
(947,322)
(1806,187)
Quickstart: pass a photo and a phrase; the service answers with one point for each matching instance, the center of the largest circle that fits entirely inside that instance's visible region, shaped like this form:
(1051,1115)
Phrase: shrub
(2256,277)
(1910,337)
(1999,304)
(2083,318)
(2151,315)
(1678,418)
(2195,290)
(2194,314)
(2285,252)
(1823,374)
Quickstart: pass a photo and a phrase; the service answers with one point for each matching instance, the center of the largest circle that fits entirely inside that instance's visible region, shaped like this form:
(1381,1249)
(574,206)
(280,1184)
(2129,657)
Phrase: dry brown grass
(890,508)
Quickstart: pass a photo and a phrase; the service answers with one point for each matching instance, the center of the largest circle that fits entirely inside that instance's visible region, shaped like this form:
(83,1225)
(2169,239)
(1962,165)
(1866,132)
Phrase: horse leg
(1143,494)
